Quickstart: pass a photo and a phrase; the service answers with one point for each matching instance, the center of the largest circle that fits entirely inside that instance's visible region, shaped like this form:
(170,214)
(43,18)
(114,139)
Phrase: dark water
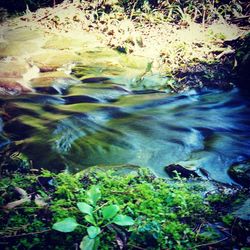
(97,123)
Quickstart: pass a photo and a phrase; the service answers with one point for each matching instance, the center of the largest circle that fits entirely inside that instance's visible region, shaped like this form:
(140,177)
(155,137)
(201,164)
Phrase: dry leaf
(39,201)
(14,204)
(22,192)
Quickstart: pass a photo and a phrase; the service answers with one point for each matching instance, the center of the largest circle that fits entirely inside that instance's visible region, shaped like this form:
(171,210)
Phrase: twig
(15,208)
(133,10)
(136,247)
(211,243)
(21,235)
(101,206)
(120,192)
(226,52)
(232,228)
(198,231)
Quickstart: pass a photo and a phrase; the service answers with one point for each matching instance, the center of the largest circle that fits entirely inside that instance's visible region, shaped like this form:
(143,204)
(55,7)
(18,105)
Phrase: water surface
(99,122)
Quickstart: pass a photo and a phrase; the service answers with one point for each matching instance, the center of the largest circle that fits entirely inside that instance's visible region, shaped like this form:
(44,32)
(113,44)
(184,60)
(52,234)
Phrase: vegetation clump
(132,211)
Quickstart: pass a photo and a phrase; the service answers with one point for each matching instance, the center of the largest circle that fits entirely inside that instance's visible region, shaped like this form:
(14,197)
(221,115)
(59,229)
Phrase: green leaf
(110,211)
(67,225)
(123,220)
(89,244)
(94,194)
(85,208)
(90,219)
(93,231)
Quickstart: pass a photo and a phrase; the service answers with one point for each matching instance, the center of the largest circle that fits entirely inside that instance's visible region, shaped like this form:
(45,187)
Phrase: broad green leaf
(123,220)
(94,194)
(85,208)
(93,231)
(90,219)
(89,244)
(110,211)
(67,225)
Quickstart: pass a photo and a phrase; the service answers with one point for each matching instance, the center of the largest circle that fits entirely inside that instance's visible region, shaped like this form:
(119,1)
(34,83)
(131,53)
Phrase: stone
(13,68)
(122,169)
(62,43)
(183,172)
(51,60)
(16,48)
(23,34)
(52,82)
(241,173)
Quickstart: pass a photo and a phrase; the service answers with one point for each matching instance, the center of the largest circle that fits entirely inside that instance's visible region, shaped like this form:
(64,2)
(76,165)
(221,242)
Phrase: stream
(99,122)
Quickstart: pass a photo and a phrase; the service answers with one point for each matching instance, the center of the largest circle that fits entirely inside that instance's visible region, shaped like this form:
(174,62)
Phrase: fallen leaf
(39,201)
(22,192)
(14,204)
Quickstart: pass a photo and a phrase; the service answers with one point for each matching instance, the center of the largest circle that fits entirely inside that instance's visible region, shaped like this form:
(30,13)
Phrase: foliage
(98,217)
(136,209)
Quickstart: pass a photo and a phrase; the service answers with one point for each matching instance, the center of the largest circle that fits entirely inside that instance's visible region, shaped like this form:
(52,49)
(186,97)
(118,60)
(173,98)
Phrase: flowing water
(98,122)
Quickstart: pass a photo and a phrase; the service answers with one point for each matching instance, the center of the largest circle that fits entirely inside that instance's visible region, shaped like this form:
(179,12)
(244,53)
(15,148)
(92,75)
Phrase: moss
(165,213)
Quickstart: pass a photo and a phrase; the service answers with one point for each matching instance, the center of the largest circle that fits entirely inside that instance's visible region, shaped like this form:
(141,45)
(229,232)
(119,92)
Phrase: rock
(96,80)
(54,75)
(183,172)
(61,42)
(13,68)
(240,173)
(16,48)
(243,212)
(81,40)
(23,34)
(205,173)
(20,41)
(122,169)
(72,99)
(51,60)
(3,44)
(10,86)
(52,83)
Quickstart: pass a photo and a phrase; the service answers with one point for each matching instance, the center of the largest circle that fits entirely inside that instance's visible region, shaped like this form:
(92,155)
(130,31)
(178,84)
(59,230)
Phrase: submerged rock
(183,172)
(96,80)
(241,173)
(52,84)
(72,99)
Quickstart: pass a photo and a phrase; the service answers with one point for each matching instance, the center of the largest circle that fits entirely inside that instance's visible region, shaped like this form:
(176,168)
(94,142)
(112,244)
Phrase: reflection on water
(107,124)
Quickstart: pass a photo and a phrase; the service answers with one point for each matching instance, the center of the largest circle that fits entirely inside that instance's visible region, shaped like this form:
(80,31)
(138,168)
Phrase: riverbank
(187,54)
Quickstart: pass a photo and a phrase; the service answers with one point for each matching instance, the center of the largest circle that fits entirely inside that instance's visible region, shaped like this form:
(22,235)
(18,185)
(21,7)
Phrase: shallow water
(99,122)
